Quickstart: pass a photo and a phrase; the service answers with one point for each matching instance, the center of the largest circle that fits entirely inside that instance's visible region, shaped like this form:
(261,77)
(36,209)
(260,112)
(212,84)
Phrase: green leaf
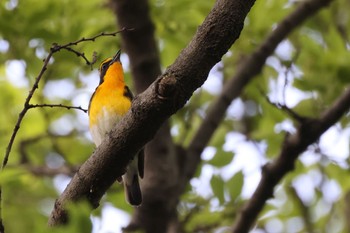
(235,185)
(221,158)
(343,74)
(80,217)
(217,185)
(307,107)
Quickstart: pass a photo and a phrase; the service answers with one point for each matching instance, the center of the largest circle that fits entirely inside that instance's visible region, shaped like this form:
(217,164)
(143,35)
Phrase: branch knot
(166,87)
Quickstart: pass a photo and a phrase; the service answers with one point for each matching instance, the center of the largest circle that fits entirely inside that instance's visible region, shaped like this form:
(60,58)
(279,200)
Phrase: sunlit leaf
(235,185)
(221,158)
(217,185)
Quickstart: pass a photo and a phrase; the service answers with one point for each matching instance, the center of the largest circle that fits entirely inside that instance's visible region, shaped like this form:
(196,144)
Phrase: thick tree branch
(161,172)
(308,132)
(245,73)
(151,108)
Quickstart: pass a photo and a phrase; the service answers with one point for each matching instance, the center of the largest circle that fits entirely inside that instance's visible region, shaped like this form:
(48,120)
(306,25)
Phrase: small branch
(305,212)
(51,172)
(23,144)
(57,106)
(308,132)
(347,208)
(248,69)
(285,108)
(154,106)
(17,126)
(55,48)
(79,54)
(34,139)
(25,109)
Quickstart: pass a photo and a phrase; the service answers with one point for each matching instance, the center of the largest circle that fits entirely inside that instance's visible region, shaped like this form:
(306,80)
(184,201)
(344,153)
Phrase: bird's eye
(104,66)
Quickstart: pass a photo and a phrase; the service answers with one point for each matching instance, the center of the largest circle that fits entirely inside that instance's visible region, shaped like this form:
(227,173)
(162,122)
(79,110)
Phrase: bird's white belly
(105,122)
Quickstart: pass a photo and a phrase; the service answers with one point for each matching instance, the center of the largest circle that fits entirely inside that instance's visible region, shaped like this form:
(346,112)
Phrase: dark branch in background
(25,109)
(23,147)
(57,106)
(155,105)
(51,172)
(284,108)
(304,209)
(82,55)
(55,48)
(47,171)
(308,132)
(139,44)
(24,143)
(79,54)
(245,73)
(158,209)
(346,198)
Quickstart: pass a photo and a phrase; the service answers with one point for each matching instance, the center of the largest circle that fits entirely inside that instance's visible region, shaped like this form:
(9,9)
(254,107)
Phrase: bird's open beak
(116,57)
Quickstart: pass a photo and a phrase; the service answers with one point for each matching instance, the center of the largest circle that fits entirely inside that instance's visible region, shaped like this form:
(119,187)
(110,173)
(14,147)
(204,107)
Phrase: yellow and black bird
(110,101)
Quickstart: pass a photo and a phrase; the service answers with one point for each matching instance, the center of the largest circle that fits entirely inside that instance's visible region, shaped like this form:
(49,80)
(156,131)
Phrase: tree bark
(158,185)
(155,105)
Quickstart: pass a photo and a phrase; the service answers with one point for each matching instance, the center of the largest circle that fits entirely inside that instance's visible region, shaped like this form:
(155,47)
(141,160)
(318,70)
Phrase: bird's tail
(131,183)
(132,190)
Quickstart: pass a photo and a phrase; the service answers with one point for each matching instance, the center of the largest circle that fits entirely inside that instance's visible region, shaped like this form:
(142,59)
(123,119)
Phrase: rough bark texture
(247,70)
(308,132)
(155,105)
(158,185)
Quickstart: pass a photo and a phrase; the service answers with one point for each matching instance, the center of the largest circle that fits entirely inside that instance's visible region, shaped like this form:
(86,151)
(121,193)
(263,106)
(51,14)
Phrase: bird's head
(112,63)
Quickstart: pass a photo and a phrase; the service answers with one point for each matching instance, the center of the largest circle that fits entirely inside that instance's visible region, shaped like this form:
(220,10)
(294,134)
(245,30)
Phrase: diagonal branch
(245,73)
(54,49)
(154,106)
(158,210)
(51,172)
(57,106)
(308,132)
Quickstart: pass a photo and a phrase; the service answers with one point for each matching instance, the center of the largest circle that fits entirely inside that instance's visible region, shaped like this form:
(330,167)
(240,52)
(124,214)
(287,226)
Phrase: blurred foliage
(307,73)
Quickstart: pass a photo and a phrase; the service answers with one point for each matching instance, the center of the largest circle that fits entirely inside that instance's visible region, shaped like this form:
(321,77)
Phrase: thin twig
(25,109)
(51,172)
(79,54)
(247,70)
(54,48)
(57,47)
(285,108)
(272,173)
(304,210)
(153,107)
(57,106)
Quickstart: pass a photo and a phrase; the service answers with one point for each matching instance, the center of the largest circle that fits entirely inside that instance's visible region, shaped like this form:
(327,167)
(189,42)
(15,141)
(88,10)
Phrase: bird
(108,104)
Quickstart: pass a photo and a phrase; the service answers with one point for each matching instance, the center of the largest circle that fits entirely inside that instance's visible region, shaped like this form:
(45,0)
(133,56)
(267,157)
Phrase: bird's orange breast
(108,104)
(108,101)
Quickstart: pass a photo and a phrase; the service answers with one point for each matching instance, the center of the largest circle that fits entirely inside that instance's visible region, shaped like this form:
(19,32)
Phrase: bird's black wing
(128,93)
